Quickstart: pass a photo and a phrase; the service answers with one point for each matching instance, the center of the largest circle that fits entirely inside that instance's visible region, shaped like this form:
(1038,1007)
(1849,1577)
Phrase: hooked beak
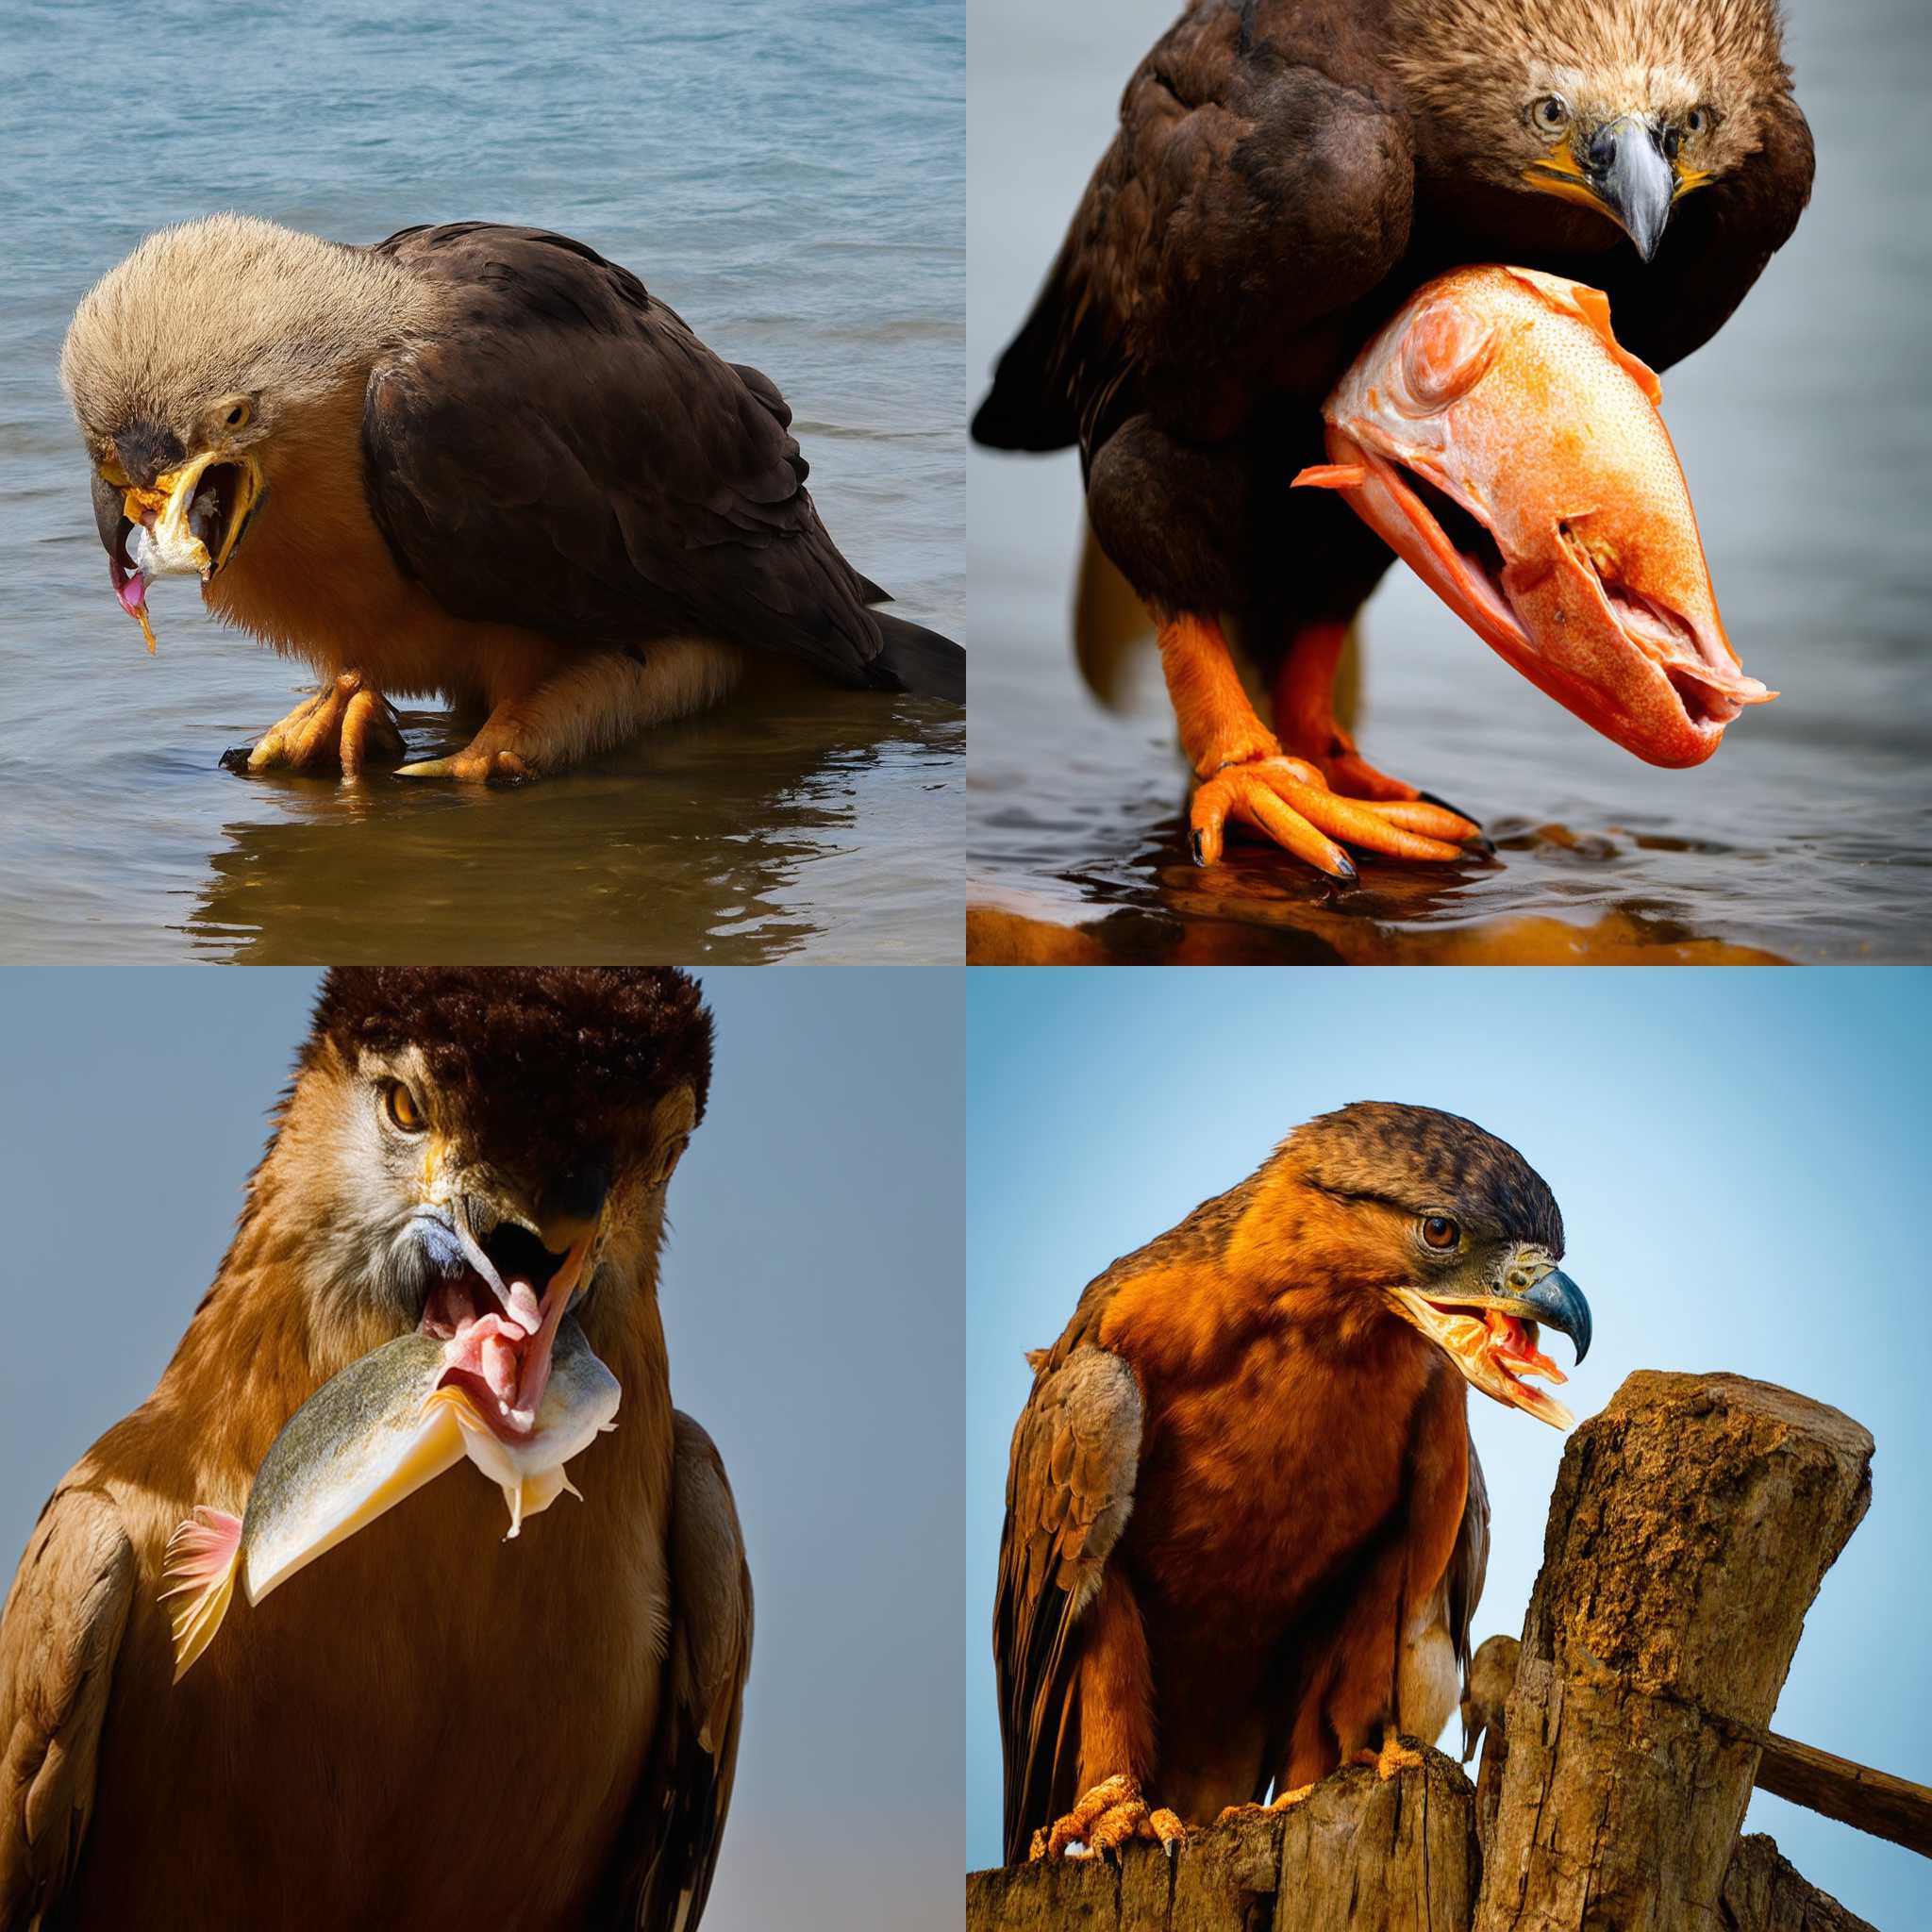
(1621,170)
(186,523)
(1487,1322)
(1657,683)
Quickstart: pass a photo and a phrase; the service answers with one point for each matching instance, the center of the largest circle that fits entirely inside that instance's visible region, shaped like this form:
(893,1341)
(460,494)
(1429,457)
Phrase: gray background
(812,1295)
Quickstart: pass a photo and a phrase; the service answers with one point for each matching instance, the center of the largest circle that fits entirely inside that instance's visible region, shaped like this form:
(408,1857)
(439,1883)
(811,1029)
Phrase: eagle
(1245,1527)
(471,461)
(1286,174)
(431,1725)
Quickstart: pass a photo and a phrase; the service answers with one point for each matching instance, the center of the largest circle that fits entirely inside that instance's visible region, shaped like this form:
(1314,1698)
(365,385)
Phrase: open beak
(1621,170)
(1489,1325)
(186,524)
(1654,682)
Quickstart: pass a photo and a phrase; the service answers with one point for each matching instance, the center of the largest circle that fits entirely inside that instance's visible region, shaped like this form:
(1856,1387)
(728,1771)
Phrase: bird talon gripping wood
(472,460)
(1286,176)
(448,1253)
(1266,1398)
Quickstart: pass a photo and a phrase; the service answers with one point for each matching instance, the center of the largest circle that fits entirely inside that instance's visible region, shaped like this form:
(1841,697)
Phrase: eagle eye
(1440,1231)
(1698,120)
(1551,114)
(402,1108)
(239,412)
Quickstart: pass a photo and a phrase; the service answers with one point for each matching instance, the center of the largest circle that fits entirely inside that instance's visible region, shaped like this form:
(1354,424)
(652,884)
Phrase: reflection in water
(711,844)
(1804,838)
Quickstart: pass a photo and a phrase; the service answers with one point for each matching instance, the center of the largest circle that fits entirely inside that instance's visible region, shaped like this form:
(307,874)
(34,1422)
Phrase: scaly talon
(472,768)
(1279,1804)
(1113,1814)
(344,726)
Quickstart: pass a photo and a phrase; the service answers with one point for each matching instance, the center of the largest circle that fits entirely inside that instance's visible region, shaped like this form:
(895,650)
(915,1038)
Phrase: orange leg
(1306,721)
(1245,775)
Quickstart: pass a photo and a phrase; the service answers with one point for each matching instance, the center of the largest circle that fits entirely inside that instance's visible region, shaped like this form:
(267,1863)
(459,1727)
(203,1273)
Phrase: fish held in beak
(389,1423)
(186,523)
(1497,437)
(1490,1328)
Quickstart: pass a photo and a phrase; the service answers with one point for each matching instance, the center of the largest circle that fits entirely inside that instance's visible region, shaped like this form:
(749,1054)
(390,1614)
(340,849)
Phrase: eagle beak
(1633,178)
(191,518)
(1621,170)
(1489,1327)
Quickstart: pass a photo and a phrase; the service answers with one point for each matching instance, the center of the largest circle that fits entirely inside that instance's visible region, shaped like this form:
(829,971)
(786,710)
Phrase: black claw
(1482,842)
(235,758)
(1348,874)
(1197,842)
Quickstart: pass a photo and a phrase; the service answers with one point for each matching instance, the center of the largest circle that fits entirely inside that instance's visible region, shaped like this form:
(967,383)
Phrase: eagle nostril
(1602,151)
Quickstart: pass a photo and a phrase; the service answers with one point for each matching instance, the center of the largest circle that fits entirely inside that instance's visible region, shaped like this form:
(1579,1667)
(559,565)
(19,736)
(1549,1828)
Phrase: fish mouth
(1640,674)
(497,1318)
(1494,1343)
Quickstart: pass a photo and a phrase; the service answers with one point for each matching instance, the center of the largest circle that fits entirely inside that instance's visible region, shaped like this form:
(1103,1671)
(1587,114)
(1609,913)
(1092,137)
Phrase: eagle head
(1432,1220)
(479,1151)
(201,366)
(1618,109)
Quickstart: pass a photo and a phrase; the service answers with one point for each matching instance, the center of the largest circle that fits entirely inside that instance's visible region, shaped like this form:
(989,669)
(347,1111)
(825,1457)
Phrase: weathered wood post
(1692,1521)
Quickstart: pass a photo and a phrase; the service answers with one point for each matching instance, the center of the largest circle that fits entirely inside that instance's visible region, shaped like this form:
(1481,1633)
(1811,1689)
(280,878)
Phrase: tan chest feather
(314,577)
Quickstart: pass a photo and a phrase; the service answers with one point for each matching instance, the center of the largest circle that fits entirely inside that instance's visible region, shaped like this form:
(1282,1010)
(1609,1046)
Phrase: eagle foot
(1113,1814)
(1289,800)
(472,767)
(1238,1813)
(1394,1755)
(344,726)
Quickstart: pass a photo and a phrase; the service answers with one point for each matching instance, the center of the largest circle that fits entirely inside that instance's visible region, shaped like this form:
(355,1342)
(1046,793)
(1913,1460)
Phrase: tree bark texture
(1692,1525)
(1374,1856)
(1762,1893)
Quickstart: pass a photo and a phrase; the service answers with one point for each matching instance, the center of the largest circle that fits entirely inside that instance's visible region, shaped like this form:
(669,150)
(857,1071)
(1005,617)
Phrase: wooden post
(1692,1525)
(1376,1857)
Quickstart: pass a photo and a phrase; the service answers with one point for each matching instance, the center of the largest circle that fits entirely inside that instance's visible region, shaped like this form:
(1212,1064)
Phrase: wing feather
(669,1847)
(60,1637)
(565,454)
(1070,1488)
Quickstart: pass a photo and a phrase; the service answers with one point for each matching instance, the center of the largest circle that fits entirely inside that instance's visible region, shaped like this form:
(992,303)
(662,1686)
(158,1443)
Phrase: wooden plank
(1887,1806)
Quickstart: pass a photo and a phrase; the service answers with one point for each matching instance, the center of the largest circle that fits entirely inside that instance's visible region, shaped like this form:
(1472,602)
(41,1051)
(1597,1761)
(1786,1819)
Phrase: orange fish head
(1440,440)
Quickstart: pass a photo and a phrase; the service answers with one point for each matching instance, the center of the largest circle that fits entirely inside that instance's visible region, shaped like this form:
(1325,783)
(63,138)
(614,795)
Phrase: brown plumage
(1287,173)
(430,1726)
(1245,1526)
(472,460)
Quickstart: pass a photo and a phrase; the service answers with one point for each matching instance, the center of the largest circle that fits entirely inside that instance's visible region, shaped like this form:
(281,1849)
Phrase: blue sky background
(1741,1163)
(811,1292)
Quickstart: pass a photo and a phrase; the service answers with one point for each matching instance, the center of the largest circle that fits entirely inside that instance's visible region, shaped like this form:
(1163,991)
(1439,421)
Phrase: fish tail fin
(203,1555)
(1330,476)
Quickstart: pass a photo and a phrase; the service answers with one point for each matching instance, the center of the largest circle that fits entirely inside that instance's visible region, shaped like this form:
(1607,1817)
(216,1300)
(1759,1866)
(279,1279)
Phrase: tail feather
(915,659)
(201,1561)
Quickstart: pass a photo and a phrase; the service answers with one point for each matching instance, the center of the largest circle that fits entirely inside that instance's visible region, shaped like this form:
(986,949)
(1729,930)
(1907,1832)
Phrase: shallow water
(1805,432)
(788,177)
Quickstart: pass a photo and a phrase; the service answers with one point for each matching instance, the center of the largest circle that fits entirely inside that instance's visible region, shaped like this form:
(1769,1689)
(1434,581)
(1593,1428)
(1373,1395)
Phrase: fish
(392,1422)
(1499,402)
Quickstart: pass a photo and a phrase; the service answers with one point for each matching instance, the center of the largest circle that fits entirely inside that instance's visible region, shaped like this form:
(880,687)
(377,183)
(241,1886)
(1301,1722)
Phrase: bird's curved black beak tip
(1557,1303)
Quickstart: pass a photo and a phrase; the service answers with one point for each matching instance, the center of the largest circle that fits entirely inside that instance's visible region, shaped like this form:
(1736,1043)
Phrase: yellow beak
(174,548)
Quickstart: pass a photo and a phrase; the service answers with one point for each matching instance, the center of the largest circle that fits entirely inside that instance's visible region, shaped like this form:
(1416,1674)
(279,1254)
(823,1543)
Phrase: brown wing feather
(58,1638)
(1261,181)
(567,454)
(662,1874)
(1469,1564)
(1070,1487)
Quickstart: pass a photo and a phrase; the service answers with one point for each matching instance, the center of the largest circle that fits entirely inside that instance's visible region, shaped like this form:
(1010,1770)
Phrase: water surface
(1805,432)
(789,177)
